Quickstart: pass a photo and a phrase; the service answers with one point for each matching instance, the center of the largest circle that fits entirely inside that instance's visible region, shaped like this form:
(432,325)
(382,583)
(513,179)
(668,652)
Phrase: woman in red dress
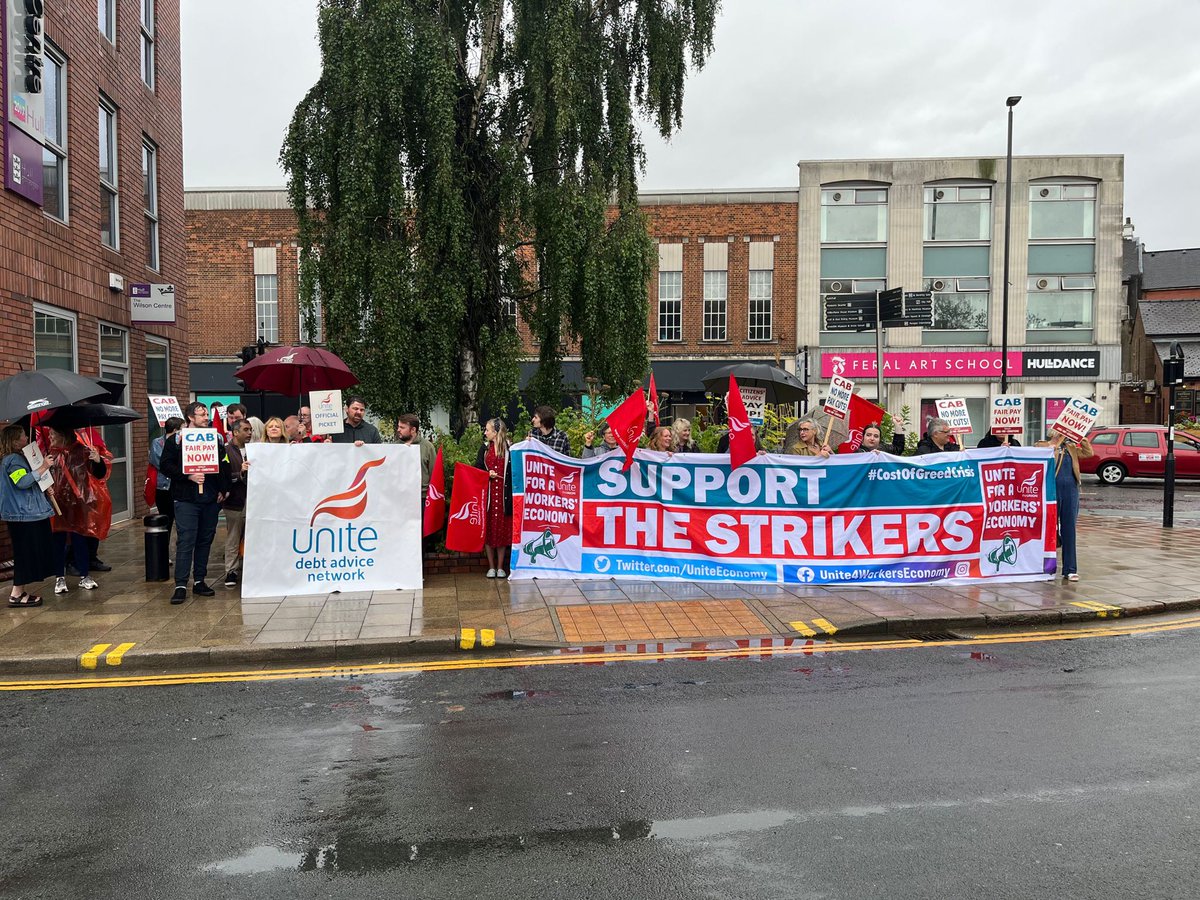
(493,457)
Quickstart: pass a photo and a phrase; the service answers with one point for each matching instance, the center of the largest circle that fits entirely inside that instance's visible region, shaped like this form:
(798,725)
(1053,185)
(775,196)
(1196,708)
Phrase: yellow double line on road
(571,659)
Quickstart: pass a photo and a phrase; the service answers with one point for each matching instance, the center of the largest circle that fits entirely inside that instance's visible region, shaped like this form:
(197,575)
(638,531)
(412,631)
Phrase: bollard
(158,543)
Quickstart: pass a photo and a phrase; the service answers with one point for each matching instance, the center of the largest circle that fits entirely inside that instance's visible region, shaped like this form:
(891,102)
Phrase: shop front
(917,379)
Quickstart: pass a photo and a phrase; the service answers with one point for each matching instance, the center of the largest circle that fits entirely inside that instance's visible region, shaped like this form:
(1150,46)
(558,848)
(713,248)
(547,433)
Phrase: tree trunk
(468,389)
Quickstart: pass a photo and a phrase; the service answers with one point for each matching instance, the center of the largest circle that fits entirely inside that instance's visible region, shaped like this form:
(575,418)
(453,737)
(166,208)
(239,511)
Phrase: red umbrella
(294,371)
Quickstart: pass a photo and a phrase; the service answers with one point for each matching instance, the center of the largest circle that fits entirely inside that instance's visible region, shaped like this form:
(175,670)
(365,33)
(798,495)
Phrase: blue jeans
(195,527)
(79,546)
(1068,516)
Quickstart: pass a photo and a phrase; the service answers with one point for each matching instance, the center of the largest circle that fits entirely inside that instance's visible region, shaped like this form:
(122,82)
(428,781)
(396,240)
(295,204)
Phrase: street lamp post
(1010,103)
(1172,376)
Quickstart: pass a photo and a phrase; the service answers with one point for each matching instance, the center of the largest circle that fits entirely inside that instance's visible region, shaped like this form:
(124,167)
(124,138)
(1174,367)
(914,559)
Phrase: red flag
(468,500)
(741,438)
(862,413)
(627,422)
(654,399)
(435,497)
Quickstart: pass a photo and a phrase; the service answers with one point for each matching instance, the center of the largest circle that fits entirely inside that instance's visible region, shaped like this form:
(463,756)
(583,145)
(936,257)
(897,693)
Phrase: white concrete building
(938,225)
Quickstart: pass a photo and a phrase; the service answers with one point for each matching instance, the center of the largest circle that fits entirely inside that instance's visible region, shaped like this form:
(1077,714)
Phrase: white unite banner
(332,517)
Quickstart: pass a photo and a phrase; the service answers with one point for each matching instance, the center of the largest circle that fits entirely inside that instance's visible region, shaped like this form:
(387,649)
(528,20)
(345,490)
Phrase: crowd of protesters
(57,532)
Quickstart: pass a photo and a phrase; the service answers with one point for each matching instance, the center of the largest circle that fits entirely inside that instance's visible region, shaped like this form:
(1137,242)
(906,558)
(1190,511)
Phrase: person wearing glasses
(937,439)
(804,439)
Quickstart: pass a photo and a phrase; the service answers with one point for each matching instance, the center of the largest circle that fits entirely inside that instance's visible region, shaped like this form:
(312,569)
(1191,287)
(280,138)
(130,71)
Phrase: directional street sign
(850,312)
(891,304)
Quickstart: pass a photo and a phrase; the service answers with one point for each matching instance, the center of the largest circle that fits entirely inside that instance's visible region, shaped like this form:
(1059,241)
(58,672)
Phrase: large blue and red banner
(861,518)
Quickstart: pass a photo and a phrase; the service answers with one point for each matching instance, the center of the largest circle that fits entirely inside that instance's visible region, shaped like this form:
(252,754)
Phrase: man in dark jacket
(355,430)
(197,507)
(937,439)
(992,440)
(235,501)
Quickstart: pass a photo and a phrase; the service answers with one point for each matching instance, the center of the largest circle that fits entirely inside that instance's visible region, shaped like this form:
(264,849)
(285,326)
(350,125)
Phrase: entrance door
(114,367)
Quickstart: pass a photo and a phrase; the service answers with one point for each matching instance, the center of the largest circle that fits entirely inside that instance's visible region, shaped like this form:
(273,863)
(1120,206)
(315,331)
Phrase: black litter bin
(158,546)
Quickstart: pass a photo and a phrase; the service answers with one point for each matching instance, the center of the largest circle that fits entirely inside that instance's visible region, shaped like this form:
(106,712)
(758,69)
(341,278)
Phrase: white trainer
(60,586)
(491,573)
(500,573)
(88,583)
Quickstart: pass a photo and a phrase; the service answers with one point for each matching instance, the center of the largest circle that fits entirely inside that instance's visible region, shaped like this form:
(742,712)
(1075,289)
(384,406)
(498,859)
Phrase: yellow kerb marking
(574,659)
(487,637)
(825,625)
(88,660)
(115,656)
(803,628)
(466,638)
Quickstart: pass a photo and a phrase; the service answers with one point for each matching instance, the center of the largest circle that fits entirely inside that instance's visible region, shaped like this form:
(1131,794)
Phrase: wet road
(1140,497)
(1066,769)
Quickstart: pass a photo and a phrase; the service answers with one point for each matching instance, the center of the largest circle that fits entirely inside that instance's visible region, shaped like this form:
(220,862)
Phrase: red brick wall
(220,245)
(221,275)
(718,222)
(65,265)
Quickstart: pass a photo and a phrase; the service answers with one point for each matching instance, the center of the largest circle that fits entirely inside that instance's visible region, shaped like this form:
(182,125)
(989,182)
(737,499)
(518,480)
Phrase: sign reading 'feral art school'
(332,517)
(853,519)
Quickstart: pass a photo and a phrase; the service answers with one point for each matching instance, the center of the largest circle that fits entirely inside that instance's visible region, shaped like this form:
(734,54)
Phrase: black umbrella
(781,386)
(82,415)
(44,389)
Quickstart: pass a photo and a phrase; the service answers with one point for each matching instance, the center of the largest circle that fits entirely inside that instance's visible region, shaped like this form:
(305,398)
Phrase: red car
(1139,451)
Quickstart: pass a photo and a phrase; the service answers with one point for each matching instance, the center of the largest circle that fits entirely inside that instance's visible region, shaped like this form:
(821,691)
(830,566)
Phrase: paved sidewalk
(1128,566)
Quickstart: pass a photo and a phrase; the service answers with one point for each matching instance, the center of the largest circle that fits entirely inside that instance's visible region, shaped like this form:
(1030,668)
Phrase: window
(266,307)
(150,200)
(1105,438)
(266,293)
(106,19)
(54,152)
(716,305)
(109,213)
(148,42)
(1145,439)
(853,215)
(670,306)
(1062,261)
(316,334)
(53,339)
(959,303)
(1062,211)
(762,289)
(1061,301)
(958,213)
(158,378)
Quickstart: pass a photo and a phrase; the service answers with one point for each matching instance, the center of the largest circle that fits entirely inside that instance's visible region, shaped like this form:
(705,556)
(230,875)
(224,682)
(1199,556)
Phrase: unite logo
(434,495)
(290,358)
(1029,487)
(471,513)
(736,425)
(348,505)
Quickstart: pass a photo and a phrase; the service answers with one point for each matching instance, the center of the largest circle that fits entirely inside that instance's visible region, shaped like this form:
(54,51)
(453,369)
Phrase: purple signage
(23,171)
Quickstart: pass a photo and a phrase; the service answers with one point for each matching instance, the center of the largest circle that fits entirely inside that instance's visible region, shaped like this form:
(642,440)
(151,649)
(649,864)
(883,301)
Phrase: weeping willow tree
(460,163)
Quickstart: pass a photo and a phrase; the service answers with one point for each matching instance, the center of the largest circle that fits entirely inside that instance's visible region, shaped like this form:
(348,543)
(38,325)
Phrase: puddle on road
(352,854)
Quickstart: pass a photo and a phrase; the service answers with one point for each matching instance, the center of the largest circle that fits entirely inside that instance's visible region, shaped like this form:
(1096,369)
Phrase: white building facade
(938,225)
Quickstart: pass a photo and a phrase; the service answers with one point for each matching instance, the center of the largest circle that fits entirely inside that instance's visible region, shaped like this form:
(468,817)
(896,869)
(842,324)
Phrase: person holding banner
(493,458)
(26,511)
(660,439)
(1066,483)
(937,439)
(804,440)
(872,439)
(681,437)
(544,431)
(608,442)
(197,507)
(234,504)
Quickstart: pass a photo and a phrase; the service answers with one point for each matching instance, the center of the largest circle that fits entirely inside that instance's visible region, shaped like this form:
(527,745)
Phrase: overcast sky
(792,80)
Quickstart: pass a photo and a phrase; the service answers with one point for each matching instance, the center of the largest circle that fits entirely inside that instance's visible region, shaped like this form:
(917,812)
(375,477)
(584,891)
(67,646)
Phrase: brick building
(93,205)
(724,289)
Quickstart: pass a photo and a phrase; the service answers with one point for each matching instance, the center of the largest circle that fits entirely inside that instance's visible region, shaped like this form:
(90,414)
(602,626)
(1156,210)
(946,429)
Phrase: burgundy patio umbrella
(294,371)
